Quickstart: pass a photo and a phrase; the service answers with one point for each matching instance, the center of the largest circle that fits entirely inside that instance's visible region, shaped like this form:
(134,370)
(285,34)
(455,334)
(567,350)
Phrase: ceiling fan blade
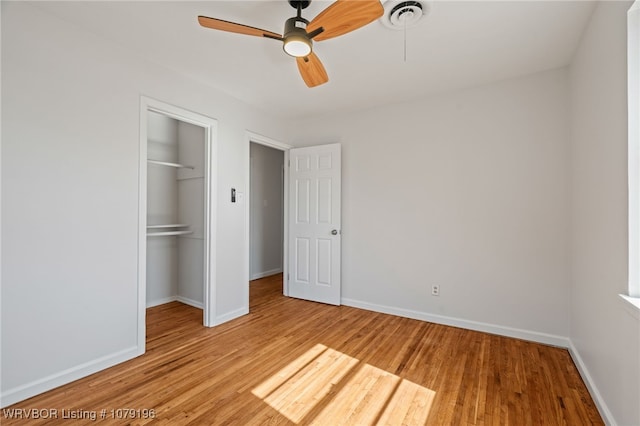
(312,70)
(219,24)
(344,16)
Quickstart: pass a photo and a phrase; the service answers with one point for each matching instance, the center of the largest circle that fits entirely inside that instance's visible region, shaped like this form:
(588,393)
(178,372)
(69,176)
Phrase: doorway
(176,237)
(267,247)
(266,231)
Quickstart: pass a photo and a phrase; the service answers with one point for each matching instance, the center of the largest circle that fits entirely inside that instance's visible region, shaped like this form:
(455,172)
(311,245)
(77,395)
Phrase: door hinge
(287,276)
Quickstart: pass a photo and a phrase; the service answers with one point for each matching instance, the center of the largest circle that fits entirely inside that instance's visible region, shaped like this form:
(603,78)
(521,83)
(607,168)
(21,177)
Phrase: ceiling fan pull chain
(405,40)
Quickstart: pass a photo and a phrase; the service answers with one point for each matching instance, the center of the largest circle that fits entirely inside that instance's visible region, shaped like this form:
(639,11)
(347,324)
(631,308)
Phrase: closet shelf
(171,225)
(166,163)
(168,233)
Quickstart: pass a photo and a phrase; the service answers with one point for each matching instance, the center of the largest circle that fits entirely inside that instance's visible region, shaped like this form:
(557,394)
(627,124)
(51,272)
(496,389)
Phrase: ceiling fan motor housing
(295,25)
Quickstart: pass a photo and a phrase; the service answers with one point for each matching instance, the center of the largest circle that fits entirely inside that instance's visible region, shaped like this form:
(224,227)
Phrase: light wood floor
(295,362)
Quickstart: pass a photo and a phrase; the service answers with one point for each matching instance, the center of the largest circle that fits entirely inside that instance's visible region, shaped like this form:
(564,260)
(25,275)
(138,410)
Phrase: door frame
(210,127)
(251,137)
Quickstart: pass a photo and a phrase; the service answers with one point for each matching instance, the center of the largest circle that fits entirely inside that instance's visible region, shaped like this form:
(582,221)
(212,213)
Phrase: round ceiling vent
(400,14)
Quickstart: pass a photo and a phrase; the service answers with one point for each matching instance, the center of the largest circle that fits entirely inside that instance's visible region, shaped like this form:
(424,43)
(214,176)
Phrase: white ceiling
(459,44)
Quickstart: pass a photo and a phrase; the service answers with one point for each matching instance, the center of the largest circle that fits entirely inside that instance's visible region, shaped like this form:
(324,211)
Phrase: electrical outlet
(435,290)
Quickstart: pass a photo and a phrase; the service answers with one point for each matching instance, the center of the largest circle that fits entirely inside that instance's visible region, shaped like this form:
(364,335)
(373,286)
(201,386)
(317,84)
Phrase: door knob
(334,232)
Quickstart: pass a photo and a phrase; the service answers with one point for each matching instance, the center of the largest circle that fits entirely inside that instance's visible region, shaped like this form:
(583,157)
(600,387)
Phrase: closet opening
(175,211)
(177,195)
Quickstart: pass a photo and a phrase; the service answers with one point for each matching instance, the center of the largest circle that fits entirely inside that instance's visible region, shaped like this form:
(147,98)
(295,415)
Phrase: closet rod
(166,163)
(168,234)
(171,225)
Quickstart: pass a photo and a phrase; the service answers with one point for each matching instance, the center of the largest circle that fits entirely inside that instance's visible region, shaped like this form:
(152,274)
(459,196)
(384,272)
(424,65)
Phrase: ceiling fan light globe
(297,46)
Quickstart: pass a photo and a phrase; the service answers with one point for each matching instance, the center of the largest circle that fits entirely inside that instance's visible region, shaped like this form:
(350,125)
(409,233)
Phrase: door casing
(210,127)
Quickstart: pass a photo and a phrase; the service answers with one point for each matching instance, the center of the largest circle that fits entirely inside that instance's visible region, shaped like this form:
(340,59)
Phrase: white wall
(70,114)
(162,208)
(467,190)
(605,337)
(191,195)
(266,210)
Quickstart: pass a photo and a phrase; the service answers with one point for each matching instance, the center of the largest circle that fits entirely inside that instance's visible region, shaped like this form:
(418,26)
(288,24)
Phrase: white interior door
(314,223)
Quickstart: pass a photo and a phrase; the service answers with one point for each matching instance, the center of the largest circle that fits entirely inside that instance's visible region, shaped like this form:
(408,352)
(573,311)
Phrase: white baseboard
(53,381)
(158,302)
(231,315)
(180,299)
(533,336)
(259,275)
(593,390)
(190,302)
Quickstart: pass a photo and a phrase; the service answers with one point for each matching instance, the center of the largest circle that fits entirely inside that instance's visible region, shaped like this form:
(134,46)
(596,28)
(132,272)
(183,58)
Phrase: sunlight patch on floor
(316,380)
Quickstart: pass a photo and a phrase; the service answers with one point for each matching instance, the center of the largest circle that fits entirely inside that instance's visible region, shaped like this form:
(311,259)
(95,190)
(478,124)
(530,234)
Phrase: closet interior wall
(175,211)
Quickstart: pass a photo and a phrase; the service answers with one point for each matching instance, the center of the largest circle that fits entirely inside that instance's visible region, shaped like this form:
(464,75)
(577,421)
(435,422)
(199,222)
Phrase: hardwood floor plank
(292,362)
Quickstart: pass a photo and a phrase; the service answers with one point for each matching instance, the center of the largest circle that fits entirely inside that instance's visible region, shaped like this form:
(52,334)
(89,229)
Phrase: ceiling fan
(339,18)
